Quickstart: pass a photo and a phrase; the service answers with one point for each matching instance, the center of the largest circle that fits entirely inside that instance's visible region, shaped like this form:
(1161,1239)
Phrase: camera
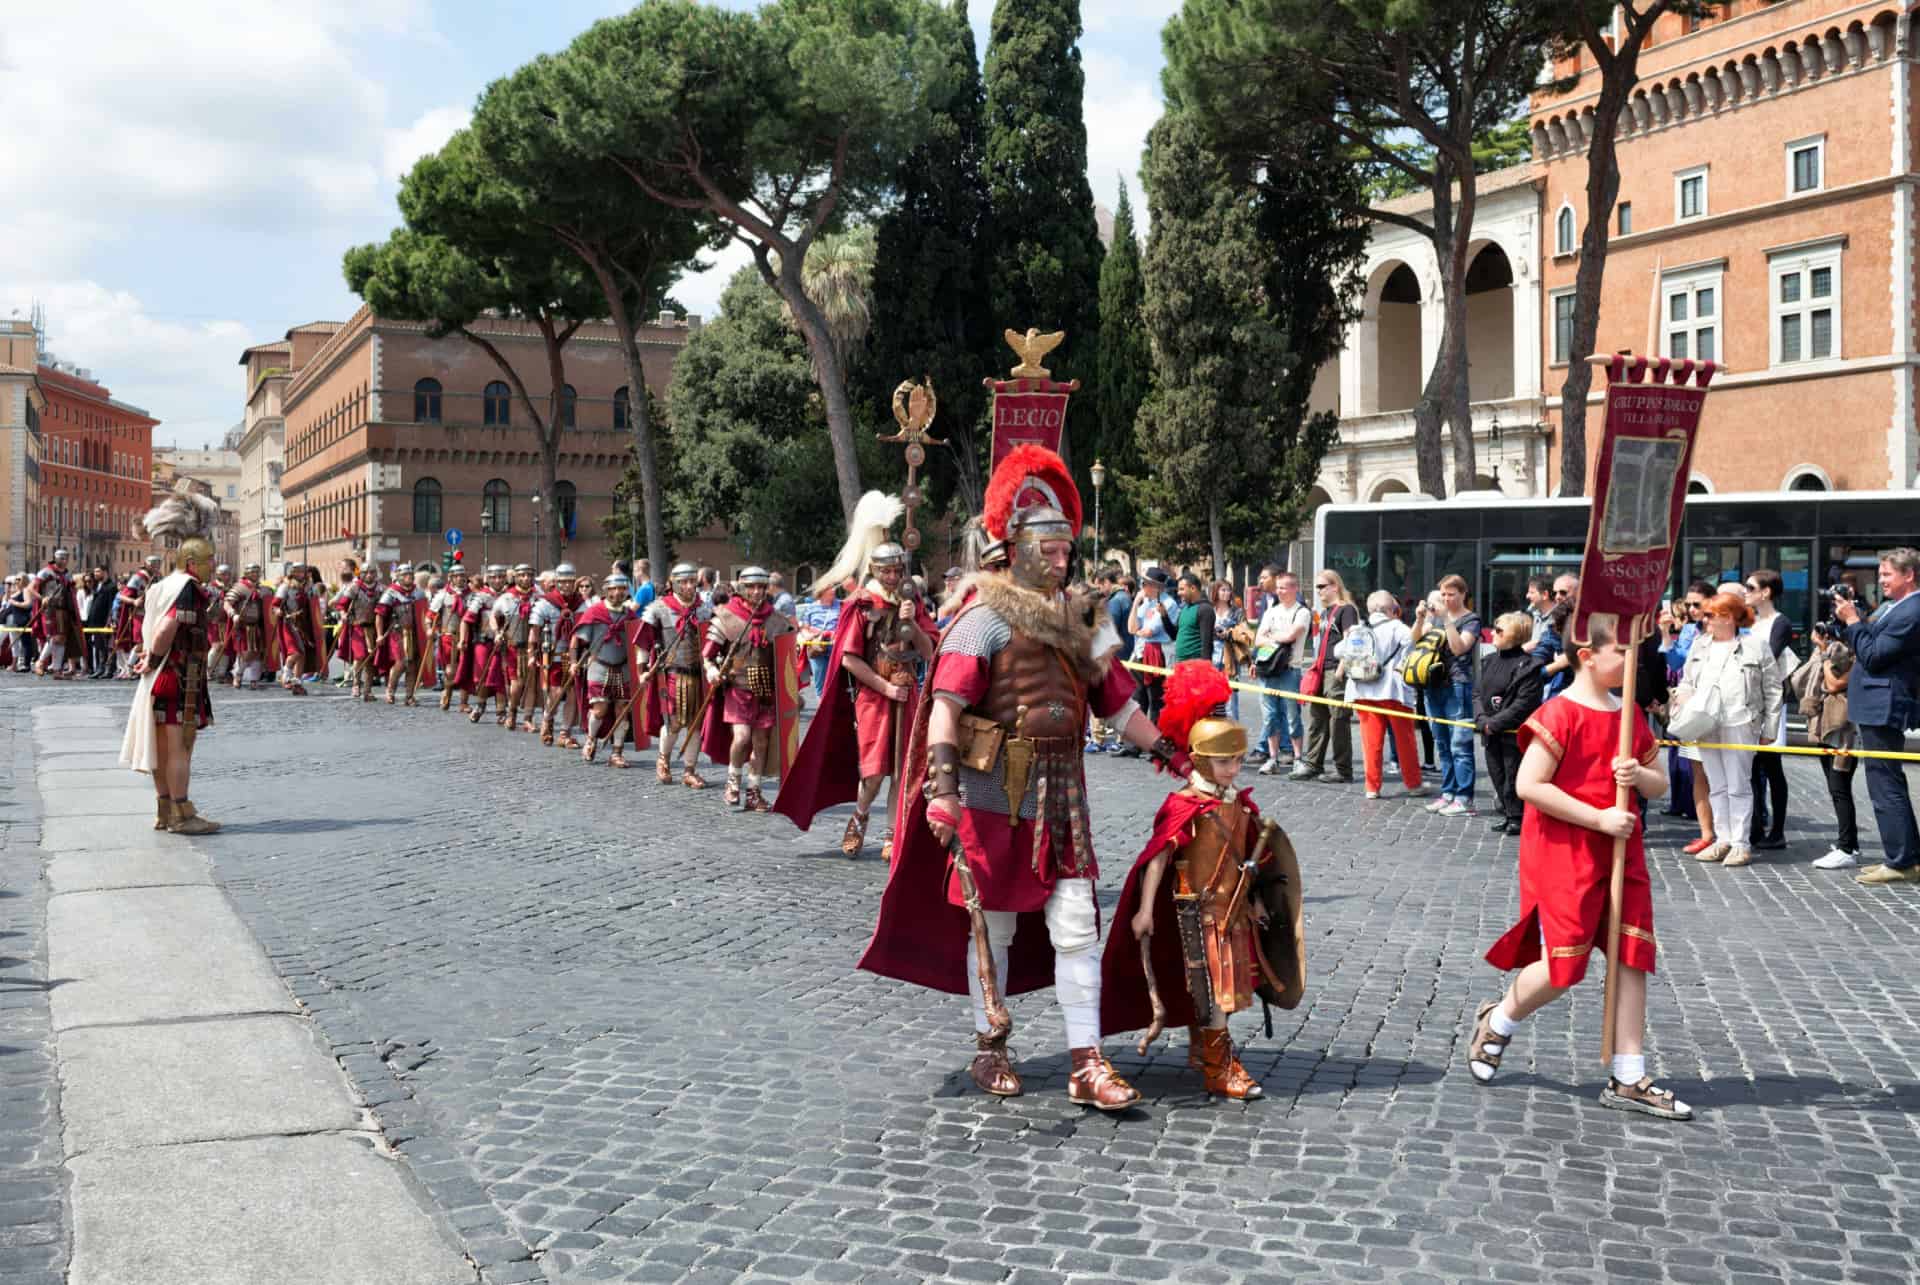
(1837,592)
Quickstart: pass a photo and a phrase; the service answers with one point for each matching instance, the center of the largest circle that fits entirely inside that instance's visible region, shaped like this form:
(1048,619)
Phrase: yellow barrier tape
(1809,751)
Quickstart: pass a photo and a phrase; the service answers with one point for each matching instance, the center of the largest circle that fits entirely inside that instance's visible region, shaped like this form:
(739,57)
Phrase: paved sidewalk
(209,1138)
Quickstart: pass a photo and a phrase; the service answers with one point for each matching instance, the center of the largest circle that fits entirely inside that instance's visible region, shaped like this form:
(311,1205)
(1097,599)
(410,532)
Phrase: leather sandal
(756,801)
(693,780)
(1483,1039)
(855,836)
(732,793)
(991,1071)
(1094,1083)
(473,715)
(592,748)
(617,759)
(662,770)
(1646,1097)
(1210,1052)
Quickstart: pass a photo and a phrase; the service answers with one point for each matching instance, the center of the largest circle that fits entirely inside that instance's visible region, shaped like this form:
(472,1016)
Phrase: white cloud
(1121,105)
(427,134)
(211,109)
(699,292)
(160,363)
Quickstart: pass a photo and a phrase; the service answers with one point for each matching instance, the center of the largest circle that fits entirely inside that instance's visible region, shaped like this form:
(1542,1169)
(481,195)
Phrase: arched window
(566,501)
(1808,481)
(568,400)
(1563,231)
(620,410)
(498,404)
(426,505)
(496,507)
(426,402)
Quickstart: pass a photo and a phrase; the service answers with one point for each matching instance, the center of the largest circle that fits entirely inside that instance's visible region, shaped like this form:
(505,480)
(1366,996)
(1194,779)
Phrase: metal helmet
(223,570)
(153,559)
(518,567)
(59,555)
(496,569)
(753,575)
(252,569)
(403,568)
(565,569)
(684,571)
(616,581)
(887,555)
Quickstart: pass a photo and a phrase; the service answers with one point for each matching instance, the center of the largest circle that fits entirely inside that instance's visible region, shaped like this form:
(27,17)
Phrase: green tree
(932,316)
(1271,78)
(774,125)
(1506,144)
(1617,59)
(632,250)
(1045,263)
(1122,375)
(467,254)
(1248,289)
(838,277)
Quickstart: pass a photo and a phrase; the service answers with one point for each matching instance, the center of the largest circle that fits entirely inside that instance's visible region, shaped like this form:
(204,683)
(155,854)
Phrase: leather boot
(991,1070)
(855,836)
(756,801)
(188,821)
(165,818)
(1210,1052)
(1094,1082)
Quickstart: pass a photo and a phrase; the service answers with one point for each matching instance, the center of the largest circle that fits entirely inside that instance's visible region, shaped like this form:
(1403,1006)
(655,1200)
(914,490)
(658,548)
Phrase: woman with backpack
(1324,677)
(1459,630)
(1374,681)
(1512,685)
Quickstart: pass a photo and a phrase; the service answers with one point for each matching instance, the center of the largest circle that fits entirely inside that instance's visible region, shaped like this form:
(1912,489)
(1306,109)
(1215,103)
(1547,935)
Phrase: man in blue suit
(1882,701)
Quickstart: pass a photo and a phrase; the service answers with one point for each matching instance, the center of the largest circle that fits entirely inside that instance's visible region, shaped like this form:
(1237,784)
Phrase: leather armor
(886,650)
(1209,862)
(517,625)
(1030,673)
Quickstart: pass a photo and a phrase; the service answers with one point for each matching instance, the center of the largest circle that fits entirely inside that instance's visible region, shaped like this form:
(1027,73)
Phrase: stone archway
(1392,361)
(1490,305)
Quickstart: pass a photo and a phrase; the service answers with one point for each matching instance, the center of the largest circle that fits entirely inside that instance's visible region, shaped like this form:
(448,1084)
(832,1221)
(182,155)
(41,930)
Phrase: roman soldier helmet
(223,570)
(187,519)
(59,555)
(403,568)
(1031,499)
(565,569)
(496,569)
(684,571)
(753,575)
(518,567)
(616,581)
(1191,717)
(253,570)
(868,544)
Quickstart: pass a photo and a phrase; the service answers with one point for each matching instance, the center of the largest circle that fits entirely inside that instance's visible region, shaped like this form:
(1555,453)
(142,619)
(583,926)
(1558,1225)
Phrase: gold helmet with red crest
(1031,500)
(1190,714)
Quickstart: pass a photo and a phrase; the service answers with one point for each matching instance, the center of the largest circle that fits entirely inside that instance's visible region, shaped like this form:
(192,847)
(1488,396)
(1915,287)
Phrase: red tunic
(1565,869)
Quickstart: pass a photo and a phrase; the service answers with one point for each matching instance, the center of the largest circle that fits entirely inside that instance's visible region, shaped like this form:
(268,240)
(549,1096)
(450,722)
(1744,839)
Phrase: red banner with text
(1639,491)
(1028,410)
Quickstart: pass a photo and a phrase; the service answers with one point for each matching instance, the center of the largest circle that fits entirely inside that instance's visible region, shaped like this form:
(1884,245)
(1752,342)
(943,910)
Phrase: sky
(183,178)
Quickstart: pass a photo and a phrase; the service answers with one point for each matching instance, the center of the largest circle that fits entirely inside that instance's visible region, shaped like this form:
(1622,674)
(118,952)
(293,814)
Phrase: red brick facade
(96,461)
(1767,167)
(392,438)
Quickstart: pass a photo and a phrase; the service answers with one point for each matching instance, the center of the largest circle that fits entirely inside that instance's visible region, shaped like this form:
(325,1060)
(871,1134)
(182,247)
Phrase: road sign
(453,537)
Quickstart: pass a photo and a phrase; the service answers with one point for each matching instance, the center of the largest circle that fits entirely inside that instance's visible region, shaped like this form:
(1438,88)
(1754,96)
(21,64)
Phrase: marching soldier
(353,643)
(883,637)
(245,609)
(740,656)
(444,611)
(676,684)
(479,641)
(171,704)
(296,619)
(219,628)
(55,620)
(1228,921)
(606,642)
(132,609)
(399,633)
(994,866)
(513,632)
(551,624)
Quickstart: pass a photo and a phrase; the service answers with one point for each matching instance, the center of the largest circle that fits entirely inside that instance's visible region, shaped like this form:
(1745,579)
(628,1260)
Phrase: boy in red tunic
(1568,773)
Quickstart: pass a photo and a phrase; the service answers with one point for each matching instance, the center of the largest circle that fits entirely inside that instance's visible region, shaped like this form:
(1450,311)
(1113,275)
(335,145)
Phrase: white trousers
(1730,784)
(1073,926)
(54,655)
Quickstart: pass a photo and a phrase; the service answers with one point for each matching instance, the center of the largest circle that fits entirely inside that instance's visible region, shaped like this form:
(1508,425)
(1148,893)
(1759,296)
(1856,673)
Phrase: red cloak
(827,770)
(1124,1005)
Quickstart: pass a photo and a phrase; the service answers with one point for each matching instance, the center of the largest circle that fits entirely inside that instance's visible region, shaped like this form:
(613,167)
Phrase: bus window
(1512,565)
(1793,559)
(1354,562)
(1714,563)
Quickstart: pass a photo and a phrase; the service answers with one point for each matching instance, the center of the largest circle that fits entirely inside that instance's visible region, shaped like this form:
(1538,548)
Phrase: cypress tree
(931,312)
(1122,375)
(1045,267)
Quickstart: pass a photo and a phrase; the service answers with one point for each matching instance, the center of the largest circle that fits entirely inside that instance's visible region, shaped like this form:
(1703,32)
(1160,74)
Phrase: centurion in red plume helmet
(1031,499)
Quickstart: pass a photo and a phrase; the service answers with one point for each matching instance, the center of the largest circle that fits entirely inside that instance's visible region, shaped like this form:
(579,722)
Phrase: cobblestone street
(618,1035)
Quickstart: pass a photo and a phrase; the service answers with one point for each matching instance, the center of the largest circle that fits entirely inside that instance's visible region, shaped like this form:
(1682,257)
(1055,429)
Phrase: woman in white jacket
(1739,667)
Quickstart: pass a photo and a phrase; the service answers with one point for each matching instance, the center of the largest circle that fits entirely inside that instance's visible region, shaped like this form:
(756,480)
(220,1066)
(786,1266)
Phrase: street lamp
(100,522)
(535,499)
(1099,474)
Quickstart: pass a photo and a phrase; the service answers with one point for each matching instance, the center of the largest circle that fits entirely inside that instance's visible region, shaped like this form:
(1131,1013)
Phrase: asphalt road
(617,1032)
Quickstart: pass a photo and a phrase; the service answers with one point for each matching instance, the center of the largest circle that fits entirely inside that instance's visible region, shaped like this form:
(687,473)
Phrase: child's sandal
(1646,1097)
(1483,1036)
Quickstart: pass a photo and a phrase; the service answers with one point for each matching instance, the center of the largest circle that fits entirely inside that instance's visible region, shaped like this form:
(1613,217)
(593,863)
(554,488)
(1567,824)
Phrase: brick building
(23,407)
(393,437)
(1766,221)
(95,465)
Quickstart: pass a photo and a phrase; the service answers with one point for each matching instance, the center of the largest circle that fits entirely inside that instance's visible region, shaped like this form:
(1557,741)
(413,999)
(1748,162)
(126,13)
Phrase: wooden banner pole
(1617,886)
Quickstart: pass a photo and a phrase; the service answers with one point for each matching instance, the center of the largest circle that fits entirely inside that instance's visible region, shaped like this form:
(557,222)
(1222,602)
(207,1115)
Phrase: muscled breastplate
(1031,674)
(684,653)
(885,651)
(1209,863)
(360,609)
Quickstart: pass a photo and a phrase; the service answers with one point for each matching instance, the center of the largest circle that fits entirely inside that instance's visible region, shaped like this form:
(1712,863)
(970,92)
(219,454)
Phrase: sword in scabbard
(1247,868)
(999,1020)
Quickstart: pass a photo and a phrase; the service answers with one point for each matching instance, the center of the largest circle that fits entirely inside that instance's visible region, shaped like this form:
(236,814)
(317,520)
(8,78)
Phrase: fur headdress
(182,516)
(876,512)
